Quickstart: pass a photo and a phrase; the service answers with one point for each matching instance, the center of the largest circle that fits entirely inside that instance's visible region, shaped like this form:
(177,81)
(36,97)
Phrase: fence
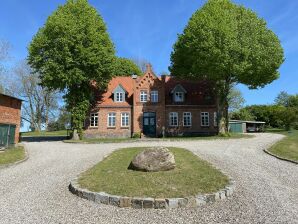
(7,135)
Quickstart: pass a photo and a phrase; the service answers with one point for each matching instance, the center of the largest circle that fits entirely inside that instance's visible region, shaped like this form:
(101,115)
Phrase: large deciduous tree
(126,67)
(227,44)
(70,51)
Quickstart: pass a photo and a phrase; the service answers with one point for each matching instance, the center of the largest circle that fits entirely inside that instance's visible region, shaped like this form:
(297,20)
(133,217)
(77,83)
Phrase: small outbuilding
(238,126)
(10,120)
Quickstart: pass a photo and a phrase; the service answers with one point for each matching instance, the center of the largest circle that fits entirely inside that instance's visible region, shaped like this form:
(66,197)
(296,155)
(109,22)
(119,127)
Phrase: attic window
(179,97)
(119,96)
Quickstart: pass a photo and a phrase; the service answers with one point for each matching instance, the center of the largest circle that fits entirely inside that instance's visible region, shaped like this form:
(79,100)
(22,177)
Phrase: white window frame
(187,115)
(215,119)
(179,99)
(143,96)
(173,115)
(205,122)
(111,115)
(94,120)
(125,118)
(154,96)
(119,97)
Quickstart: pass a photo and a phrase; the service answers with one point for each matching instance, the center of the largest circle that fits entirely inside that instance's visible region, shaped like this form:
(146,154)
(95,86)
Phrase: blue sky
(148,29)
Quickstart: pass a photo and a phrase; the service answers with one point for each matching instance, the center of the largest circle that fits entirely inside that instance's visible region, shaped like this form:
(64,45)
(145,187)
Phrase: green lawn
(190,177)
(44,133)
(12,155)
(119,140)
(288,147)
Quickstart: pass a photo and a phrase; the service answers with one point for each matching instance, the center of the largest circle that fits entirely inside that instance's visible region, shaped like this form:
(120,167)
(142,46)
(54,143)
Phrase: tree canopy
(126,67)
(227,44)
(70,51)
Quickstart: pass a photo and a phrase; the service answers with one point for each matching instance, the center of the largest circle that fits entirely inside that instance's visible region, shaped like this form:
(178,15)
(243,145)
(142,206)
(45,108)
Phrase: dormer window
(179,97)
(119,94)
(178,94)
(119,97)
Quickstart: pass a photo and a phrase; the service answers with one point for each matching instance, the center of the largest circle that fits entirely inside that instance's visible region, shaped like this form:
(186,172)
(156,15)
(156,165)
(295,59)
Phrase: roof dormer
(119,94)
(178,94)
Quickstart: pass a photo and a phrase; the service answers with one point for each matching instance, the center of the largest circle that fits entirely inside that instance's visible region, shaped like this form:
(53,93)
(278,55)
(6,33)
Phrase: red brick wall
(195,127)
(10,113)
(103,131)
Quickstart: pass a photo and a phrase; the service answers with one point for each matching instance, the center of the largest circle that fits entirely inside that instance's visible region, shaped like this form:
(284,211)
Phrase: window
(205,119)
(93,120)
(186,119)
(154,96)
(124,119)
(215,119)
(179,96)
(111,119)
(173,119)
(119,97)
(143,96)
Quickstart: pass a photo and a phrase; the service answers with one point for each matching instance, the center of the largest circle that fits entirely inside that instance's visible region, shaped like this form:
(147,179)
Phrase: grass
(12,155)
(287,147)
(190,177)
(44,133)
(119,140)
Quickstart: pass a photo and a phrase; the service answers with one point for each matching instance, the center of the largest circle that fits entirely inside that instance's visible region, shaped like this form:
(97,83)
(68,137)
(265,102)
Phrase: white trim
(173,114)
(143,93)
(95,117)
(111,115)
(205,115)
(121,99)
(125,115)
(155,93)
(215,122)
(179,100)
(188,114)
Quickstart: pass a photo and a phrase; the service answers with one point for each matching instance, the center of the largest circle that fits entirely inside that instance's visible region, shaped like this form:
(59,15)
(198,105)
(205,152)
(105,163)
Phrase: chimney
(134,76)
(149,68)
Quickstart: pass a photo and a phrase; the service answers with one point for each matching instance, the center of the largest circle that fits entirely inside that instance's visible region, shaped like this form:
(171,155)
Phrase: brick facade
(10,113)
(197,98)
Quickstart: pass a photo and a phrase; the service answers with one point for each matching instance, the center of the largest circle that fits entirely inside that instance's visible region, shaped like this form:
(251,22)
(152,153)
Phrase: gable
(178,88)
(119,89)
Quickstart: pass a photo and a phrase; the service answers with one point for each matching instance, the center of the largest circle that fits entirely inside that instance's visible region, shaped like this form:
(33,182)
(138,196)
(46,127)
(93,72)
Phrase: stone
(125,202)
(153,160)
(182,202)
(217,196)
(160,203)
(148,203)
(102,198)
(222,194)
(88,195)
(114,200)
(137,203)
(210,198)
(172,202)
(201,200)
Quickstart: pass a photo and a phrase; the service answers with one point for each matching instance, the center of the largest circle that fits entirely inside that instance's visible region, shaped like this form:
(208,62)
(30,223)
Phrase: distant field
(44,133)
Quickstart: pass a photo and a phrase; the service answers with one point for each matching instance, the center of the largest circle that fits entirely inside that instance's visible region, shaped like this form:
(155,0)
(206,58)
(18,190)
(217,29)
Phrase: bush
(136,135)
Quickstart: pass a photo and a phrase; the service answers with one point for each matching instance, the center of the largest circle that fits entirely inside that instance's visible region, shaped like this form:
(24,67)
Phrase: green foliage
(235,99)
(288,116)
(136,135)
(62,122)
(282,99)
(72,50)
(242,114)
(126,67)
(227,44)
(226,41)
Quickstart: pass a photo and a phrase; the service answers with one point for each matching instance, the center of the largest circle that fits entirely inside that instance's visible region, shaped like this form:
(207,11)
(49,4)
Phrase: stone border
(156,203)
(279,157)
(19,161)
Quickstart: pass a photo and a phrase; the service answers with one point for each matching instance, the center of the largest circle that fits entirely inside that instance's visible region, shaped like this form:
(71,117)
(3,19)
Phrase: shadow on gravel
(44,138)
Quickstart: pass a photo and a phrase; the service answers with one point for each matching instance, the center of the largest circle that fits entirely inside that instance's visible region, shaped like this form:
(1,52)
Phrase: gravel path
(36,190)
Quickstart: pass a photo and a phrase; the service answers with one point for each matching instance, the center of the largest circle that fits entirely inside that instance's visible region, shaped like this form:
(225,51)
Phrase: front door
(149,124)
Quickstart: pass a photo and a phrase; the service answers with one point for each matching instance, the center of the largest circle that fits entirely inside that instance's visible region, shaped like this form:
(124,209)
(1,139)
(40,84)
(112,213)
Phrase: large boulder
(153,160)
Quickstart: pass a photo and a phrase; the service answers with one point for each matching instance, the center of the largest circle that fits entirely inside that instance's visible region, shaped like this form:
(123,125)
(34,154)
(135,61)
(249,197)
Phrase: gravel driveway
(36,190)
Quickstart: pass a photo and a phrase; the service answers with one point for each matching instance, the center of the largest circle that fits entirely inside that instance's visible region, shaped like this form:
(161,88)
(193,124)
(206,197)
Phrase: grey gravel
(36,191)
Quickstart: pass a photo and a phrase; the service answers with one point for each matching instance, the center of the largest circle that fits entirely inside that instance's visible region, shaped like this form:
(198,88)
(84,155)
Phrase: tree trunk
(224,90)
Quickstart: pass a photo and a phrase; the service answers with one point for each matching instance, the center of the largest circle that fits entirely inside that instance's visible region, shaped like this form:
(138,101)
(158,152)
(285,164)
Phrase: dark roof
(10,96)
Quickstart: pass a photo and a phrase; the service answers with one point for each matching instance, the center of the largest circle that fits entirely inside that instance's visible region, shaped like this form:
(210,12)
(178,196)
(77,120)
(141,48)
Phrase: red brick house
(152,105)
(10,119)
